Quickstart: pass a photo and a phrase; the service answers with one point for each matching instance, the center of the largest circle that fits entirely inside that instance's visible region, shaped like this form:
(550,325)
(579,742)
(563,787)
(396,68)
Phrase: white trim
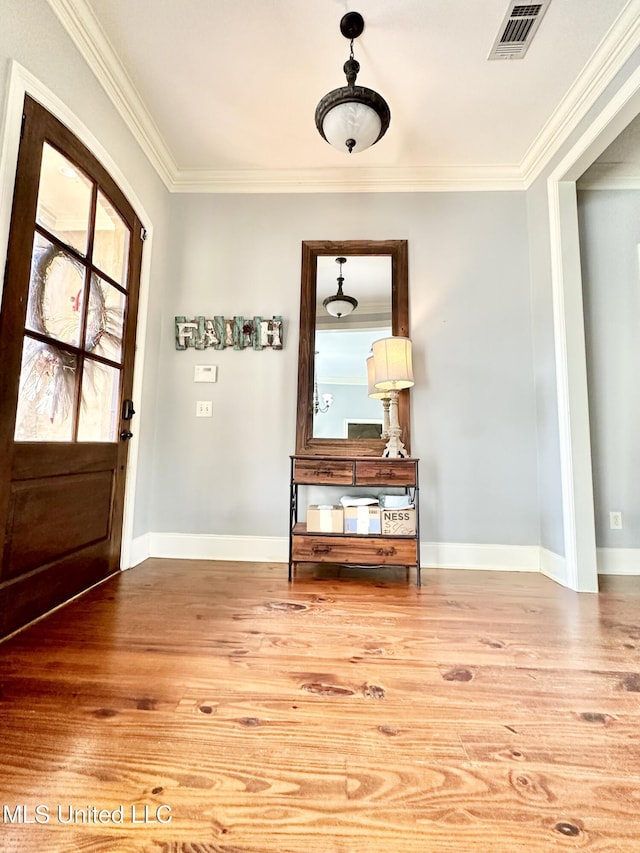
(82,26)
(22,82)
(573,408)
(185,546)
(354,180)
(140,550)
(621,109)
(84,29)
(9,145)
(503,558)
(571,383)
(612,52)
(619,561)
(553,566)
(193,546)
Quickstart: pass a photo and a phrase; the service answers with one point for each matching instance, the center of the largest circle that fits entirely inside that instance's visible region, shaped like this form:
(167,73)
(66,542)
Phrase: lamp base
(395,448)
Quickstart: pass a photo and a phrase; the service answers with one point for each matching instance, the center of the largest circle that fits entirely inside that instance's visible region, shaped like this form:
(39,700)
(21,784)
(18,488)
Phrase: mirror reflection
(373,303)
(353,309)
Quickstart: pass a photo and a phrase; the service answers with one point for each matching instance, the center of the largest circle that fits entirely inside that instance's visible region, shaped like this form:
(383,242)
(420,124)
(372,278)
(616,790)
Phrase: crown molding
(81,24)
(351,180)
(611,54)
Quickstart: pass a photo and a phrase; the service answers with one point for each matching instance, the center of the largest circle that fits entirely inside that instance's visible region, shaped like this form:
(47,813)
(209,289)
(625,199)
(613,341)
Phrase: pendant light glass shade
(339,307)
(352,122)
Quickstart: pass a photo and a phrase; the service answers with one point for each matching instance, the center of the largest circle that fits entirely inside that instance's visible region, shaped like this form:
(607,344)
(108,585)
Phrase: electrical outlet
(615,520)
(204,409)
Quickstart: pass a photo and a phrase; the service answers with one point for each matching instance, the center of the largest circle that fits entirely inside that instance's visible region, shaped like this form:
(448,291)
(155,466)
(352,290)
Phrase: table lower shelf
(374,550)
(353,549)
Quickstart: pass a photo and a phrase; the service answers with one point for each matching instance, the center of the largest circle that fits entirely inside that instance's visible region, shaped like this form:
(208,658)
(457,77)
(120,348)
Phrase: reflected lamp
(376,394)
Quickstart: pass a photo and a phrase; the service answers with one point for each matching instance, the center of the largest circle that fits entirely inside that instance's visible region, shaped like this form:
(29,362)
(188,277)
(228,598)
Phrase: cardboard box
(398,522)
(323,518)
(362,519)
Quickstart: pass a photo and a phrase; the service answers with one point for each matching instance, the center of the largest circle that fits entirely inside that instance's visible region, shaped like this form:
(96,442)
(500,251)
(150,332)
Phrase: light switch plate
(205,373)
(204,409)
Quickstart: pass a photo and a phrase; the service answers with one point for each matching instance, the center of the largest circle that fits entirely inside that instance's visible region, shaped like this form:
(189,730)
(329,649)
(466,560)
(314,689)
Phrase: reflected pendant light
(340,305)
(352,118)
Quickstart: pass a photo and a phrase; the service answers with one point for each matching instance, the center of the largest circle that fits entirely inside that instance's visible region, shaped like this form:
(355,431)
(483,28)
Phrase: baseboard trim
(553,566)
(438,555)
(497,558)
(434,555)
(618,561)
(193,546)
(140,550)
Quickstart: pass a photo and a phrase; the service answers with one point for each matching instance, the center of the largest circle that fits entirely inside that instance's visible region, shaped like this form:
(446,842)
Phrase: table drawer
(366,550)
(323,471)
(385,473)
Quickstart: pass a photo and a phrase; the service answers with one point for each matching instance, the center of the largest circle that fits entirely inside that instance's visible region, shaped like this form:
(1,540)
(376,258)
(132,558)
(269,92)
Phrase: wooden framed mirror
(334,413)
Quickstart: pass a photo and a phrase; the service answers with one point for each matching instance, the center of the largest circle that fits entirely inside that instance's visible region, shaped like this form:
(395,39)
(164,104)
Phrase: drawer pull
(321,549)
(386,552)
(325,472)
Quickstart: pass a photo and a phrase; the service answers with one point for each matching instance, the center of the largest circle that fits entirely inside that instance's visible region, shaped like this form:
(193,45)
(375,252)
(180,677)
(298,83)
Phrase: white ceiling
(222,93)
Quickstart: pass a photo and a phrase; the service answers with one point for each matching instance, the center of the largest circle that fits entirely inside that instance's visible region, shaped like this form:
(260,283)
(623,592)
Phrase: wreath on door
(49,370)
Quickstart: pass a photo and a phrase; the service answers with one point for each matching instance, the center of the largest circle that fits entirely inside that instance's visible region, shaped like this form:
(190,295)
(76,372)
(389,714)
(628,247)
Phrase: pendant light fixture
(352,118)
(340,305)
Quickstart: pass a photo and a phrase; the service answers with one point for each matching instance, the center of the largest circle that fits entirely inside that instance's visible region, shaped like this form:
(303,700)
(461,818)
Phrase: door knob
(125,435)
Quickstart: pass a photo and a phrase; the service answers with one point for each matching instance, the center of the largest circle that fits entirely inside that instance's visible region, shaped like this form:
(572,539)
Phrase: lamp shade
(393,363)
(372,391)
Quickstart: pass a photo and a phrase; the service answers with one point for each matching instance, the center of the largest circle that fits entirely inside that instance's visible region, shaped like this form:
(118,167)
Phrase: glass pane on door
(64,199)
(111,241)
(46,393)
(56,292)
(105,320)
(99,410)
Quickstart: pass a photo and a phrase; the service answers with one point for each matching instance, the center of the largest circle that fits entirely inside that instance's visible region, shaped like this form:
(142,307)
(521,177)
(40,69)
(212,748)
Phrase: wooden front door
(67,327)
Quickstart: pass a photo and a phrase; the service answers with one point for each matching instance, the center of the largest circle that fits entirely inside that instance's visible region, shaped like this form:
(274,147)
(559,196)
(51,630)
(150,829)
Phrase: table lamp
(393,371)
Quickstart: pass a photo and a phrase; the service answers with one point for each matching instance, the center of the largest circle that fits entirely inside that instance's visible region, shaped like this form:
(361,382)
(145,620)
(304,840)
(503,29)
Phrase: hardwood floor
(191,707)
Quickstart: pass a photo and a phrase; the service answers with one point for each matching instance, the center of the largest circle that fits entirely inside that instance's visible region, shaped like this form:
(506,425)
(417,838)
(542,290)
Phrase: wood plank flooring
(192,707)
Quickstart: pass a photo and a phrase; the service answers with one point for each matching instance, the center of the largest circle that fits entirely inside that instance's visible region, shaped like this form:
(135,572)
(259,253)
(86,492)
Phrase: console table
(369,550)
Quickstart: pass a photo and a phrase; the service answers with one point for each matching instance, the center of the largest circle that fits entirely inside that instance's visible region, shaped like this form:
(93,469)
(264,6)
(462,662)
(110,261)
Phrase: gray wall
(610,240)
(473,406)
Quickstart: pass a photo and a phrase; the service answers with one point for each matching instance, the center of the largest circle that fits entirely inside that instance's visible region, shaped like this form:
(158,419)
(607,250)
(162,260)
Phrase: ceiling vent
(517,30)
